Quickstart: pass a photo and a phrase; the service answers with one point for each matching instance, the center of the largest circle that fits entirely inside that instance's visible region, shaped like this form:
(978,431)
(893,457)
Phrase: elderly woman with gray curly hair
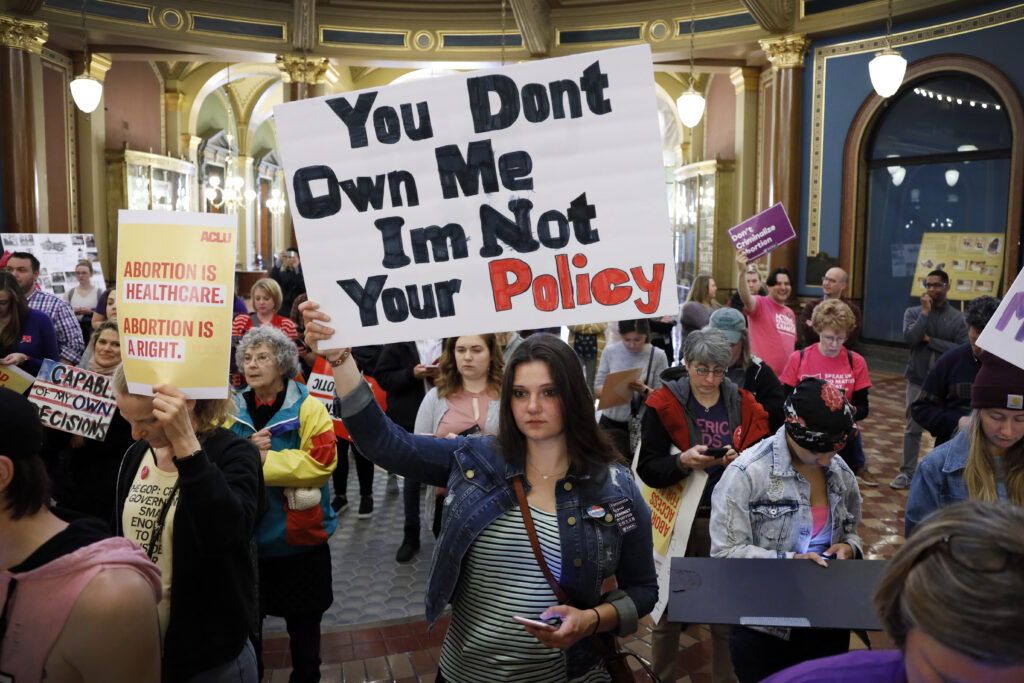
(295,436)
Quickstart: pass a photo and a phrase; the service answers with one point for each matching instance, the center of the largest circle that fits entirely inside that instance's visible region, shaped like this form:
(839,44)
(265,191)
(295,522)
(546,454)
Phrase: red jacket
(753,426)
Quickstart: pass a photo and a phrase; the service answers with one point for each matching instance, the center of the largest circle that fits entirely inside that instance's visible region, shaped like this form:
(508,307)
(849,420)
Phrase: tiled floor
(376,632)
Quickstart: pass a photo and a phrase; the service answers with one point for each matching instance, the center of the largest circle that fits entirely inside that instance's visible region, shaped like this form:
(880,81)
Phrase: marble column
(21,42)
(786,55)
(745,80)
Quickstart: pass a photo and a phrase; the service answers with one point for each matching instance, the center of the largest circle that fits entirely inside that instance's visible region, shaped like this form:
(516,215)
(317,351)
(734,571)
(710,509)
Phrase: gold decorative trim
(113,20)
(237,36)
(821,55)
(642,26)
(685,20)
(406,38)
(478,48)
(172,13)
(23,34)
(787,52)
(655,26)
(430,38)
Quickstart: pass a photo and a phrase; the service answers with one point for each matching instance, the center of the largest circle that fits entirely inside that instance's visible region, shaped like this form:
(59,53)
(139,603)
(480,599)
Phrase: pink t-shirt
(835,370)
(464,410)
(772,332)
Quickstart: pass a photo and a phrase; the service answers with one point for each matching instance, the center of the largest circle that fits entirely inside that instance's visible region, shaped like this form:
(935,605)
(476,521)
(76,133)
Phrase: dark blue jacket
(946,393)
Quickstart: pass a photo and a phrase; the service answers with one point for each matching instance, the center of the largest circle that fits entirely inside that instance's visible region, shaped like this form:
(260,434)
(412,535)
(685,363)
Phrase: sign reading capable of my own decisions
(521,197)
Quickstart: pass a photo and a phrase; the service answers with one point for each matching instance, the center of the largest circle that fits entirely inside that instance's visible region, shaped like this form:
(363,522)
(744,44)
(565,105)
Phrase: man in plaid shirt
(25,268)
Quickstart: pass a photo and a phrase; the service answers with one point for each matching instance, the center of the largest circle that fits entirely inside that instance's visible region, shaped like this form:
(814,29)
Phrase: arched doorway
(932,180)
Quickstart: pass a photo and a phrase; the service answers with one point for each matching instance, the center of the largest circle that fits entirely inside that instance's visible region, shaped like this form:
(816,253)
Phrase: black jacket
(760,380)
(394,374)
(213,579)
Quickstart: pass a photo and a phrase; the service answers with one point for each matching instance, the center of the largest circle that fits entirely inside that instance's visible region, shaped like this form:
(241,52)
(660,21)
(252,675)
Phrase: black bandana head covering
(818,417)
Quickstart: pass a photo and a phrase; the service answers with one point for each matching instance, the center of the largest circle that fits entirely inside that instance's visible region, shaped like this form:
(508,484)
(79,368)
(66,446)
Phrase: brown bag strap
(531,531)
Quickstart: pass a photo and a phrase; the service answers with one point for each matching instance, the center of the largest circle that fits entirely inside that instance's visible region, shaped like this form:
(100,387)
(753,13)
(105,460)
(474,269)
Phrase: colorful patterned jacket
(303,455)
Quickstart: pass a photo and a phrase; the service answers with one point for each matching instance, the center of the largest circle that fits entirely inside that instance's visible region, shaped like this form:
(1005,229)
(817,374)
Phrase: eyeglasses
(830,279)
(704,371)
(833,339)
(975,554)
(934,285)
(259,358)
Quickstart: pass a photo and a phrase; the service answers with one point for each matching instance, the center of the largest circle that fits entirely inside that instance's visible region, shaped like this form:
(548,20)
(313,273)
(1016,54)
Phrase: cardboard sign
(14,378)
(175,290)
(1004,334)
(73,400)
(58,255)
(973,261)
(763,233)
(521,197)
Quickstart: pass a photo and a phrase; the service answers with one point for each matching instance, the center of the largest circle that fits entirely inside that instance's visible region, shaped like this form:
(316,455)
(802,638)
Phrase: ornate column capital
(745,79)
(97,67)
(23,34)
(296,69)
(786,52)
(174,101)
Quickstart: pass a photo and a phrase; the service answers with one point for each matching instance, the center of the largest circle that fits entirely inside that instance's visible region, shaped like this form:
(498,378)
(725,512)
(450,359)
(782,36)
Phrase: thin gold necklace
(548,476)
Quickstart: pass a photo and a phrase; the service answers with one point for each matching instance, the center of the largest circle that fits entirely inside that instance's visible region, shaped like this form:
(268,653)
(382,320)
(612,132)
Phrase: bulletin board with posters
(58,255)
(973,261)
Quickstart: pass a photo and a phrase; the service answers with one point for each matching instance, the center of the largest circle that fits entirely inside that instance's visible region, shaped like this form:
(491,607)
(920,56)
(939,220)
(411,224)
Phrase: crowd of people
(192,520)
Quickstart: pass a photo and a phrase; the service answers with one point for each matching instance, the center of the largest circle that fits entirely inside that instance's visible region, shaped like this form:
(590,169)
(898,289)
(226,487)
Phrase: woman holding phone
(697,422)
(580,506)
(790,496)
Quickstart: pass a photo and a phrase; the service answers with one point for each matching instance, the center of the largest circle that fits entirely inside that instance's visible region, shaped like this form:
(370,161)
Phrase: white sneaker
(902,481)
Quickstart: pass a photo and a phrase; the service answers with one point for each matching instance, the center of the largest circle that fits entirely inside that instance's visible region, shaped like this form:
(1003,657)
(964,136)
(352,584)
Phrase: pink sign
(764,232)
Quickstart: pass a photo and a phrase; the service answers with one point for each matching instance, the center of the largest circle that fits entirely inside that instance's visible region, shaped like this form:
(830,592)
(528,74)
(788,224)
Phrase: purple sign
(764,232)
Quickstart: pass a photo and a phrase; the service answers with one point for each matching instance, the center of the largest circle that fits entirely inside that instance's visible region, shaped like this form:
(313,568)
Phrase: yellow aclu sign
(175,289)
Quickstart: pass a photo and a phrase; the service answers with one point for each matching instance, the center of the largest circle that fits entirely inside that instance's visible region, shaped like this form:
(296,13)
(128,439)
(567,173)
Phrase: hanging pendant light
(888,67)
(86,91)
(691,103)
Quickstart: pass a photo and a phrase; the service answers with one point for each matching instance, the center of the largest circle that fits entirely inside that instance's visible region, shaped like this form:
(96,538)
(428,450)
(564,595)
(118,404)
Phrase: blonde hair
(208,414)
(833,313)
(271,288)
(980,473)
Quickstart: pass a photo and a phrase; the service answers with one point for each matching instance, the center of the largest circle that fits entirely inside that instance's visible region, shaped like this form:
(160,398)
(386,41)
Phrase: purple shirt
(876,666)
(38,342)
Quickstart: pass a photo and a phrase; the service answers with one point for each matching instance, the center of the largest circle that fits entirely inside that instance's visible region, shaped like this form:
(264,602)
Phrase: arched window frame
(853,219)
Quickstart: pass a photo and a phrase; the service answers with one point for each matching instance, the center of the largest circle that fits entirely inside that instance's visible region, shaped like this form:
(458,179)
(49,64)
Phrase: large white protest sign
(521,197)
(1004,333)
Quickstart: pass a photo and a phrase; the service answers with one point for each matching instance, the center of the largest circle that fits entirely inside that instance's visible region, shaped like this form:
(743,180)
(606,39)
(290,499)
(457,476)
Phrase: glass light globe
(86,92)
(887,70)
(691,107)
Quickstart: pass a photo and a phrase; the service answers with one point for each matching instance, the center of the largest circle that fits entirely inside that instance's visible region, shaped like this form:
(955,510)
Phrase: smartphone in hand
(550,624)
(716,452)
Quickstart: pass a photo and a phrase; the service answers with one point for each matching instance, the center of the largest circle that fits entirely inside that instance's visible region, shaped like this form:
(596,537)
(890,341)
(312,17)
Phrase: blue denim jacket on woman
(479,482)
(762,505)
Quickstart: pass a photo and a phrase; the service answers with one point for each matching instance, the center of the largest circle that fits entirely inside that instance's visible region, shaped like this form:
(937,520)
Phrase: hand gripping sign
(521,197)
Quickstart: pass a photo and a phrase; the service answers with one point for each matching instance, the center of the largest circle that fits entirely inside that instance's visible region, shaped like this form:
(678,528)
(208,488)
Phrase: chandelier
(86,91)
(231,194)
(275,202)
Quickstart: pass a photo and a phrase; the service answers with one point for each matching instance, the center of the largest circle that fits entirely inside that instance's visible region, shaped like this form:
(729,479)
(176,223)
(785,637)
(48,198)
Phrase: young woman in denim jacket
(595,523)
(985,461)
(790,496)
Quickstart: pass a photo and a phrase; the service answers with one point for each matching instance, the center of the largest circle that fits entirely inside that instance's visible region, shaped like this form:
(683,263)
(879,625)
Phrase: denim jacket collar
(956,454)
